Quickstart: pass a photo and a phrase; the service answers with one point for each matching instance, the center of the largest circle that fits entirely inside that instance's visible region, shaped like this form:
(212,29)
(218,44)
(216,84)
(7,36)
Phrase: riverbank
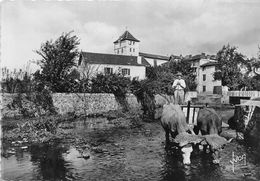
(20,133)
(124,148)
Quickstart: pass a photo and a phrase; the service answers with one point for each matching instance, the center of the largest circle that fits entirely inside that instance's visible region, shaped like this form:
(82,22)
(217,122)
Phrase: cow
(173,122)
(209,123)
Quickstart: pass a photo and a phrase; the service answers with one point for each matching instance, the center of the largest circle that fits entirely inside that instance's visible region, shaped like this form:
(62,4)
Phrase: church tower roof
(126,36)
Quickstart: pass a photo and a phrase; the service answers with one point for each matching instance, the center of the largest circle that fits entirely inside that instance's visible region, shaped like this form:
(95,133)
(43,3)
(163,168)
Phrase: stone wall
(65,103)
(92,103)
(69,102)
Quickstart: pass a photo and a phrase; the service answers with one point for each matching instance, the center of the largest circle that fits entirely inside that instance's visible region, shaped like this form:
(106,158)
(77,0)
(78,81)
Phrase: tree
(231,68)
(159,81)
(58,57)
(188,72)
(112,83)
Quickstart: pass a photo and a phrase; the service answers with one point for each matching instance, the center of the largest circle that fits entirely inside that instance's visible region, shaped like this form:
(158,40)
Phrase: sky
(164,27)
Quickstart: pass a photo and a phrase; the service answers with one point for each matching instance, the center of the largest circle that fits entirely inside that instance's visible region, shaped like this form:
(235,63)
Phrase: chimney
(139,60)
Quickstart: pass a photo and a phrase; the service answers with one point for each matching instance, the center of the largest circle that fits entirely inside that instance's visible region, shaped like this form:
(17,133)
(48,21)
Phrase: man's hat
(179,73)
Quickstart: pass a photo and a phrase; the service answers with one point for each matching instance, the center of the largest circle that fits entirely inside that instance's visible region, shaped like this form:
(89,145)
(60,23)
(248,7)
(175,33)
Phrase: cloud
(98,37)
(163,27)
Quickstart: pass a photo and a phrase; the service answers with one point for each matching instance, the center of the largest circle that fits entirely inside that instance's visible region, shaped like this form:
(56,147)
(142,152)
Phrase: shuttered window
(108,70)
(125,71)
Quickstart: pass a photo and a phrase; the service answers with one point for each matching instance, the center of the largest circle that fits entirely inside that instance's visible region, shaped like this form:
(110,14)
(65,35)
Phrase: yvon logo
(237,160)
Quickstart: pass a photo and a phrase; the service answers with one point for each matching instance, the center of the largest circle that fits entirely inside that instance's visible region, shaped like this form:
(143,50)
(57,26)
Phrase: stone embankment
(78,104)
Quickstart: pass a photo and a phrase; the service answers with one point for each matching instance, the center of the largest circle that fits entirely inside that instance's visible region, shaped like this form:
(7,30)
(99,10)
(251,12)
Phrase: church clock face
(257,71)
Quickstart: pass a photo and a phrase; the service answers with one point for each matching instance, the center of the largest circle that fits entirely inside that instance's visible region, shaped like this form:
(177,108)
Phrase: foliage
(37,130)
(159,81)
(58,57)
(34,103)
(188,72)
(144,91)
(230,68)
(112,83)
(14,85)
(32,98)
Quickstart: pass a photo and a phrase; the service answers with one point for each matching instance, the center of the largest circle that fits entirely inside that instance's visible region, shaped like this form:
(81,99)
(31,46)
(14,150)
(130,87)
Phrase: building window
(108,70)
(204,88)
(117,51)
(133,50)
(130,49)
(203,68)
(204,77)
(129,42)
(125,72)
(133,42)
(122,50)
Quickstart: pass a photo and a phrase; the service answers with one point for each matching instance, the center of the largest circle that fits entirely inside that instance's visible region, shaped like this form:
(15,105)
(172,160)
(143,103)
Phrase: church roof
(112,59)
(126,36)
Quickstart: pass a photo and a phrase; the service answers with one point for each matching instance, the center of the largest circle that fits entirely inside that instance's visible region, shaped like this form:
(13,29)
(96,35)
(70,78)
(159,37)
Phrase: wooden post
(194,109)
(188,112)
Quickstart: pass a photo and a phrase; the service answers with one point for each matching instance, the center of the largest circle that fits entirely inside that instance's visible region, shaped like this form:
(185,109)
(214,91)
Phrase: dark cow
(174,122)
(210,123)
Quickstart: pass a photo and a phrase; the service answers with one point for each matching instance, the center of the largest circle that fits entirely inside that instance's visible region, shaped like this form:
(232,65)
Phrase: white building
(126,60)
(154,60)
(129,66)
(205,66)
(126,44)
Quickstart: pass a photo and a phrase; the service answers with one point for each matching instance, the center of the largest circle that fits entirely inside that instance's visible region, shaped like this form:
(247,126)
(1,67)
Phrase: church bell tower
(126,44)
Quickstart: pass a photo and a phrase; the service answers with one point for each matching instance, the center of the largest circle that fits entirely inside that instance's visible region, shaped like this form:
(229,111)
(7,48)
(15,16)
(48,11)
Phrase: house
(127,59)
(207,83)
(154,60)
(127,44)
(205,66)
(129,66)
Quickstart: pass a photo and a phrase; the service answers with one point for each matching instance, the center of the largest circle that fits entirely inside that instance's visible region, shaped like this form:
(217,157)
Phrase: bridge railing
(243,93)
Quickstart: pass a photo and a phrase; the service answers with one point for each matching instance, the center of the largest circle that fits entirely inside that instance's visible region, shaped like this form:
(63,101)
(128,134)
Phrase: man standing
(179,85)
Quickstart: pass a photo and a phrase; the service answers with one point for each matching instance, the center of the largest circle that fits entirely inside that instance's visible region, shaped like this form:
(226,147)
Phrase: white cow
(174,122)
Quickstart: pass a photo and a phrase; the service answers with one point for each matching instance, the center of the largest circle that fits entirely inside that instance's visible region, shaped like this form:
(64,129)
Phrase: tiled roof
(209,64)
(147,55)
(197,57)
(201,56)
(175,57)
(112,59)
(126,36)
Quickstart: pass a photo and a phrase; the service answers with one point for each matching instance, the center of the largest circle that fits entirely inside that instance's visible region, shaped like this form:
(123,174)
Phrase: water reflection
(122,154)
(50,162)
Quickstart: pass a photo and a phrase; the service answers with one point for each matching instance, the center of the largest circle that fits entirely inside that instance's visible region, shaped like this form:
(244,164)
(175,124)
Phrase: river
(122,151)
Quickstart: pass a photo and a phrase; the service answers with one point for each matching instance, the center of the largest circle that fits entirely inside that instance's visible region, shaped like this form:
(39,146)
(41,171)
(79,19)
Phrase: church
(127,59)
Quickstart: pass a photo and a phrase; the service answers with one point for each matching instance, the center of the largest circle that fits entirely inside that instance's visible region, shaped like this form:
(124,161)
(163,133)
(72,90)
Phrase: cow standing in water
(174,122)
(209,123)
